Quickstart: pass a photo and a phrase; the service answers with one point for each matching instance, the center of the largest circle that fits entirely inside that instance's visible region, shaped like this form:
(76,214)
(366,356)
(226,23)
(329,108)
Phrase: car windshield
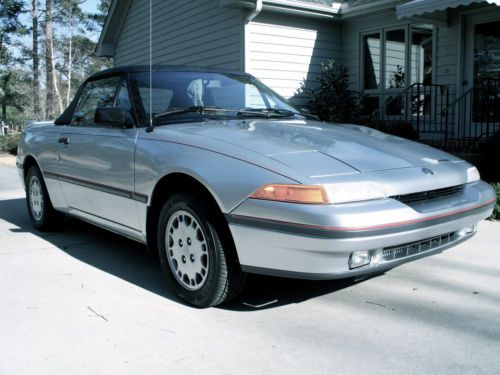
(177,96)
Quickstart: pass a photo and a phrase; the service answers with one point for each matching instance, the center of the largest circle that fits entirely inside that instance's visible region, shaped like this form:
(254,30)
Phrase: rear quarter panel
(40,142)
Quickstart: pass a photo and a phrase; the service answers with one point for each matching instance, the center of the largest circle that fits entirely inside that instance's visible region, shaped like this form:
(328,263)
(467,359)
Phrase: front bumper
(315,242)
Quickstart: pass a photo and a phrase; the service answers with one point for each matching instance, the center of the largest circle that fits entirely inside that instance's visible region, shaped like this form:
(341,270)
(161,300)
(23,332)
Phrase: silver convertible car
(220,176)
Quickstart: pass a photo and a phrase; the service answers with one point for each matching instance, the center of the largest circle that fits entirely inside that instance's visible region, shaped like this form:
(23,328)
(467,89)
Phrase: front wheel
(42,214)
(196,253)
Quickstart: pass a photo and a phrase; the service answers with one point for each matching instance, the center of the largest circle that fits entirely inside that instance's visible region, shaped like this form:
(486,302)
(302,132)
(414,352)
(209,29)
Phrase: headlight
(355,192)
(317,194)
(473,175)
(309,194)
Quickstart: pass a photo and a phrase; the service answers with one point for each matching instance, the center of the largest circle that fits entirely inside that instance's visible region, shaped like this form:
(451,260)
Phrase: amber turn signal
(309,194)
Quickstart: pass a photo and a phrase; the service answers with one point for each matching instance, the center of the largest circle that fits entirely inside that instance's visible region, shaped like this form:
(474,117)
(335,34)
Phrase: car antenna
(150,127)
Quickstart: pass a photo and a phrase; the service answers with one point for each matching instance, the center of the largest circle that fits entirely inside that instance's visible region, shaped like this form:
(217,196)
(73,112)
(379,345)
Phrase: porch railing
(440,119)
(476,113)
(423,106)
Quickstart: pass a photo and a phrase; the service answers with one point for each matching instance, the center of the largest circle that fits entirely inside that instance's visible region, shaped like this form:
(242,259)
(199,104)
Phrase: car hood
(314,148)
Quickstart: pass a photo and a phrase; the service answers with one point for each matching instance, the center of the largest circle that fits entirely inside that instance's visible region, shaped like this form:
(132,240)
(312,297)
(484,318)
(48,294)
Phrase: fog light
(470,229)
(359,258)
(376,257)
(467,231)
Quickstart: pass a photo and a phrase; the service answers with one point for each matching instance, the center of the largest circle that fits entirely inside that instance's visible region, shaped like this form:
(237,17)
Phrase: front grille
(406,250)
(429,195)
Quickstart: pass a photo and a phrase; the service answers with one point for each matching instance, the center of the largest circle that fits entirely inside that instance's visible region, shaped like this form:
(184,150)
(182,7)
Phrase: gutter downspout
(256,11)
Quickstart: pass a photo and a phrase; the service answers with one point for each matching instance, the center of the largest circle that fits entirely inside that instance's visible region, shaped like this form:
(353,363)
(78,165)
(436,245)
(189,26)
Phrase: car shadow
(267,292)
(131,262)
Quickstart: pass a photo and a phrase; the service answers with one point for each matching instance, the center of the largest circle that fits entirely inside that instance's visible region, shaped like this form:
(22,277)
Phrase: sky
(90,6)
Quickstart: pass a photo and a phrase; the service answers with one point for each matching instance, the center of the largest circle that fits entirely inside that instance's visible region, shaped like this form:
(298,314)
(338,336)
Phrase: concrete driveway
(83,301)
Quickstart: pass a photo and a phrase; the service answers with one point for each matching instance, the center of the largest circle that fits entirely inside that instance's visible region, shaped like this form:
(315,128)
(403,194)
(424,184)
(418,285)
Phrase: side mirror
(112,117)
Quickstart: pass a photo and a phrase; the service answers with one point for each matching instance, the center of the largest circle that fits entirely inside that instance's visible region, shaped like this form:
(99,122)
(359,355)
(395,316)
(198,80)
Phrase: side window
(99,93)
(123,98)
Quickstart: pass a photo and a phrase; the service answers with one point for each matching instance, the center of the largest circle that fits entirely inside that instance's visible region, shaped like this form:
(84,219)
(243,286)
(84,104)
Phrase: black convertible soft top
(158,68)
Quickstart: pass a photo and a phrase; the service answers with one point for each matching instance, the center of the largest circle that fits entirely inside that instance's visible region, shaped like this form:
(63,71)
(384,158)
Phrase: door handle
(64,140)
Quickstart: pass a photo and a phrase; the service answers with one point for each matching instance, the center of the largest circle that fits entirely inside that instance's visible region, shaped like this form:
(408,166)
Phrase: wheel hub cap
(187,252)
(36,198)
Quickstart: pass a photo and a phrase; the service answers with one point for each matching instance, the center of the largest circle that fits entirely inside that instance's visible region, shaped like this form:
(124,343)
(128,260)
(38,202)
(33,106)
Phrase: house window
(372,59)
(395,58)
(370,104)
(392,60)
(421,54)
(392,55)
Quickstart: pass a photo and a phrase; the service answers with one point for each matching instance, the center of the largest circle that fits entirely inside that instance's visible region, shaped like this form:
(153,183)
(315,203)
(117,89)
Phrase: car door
(96,162)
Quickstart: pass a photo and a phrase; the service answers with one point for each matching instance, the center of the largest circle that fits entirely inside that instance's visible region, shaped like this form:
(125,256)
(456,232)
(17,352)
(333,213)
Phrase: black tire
(223,278)
(42,214)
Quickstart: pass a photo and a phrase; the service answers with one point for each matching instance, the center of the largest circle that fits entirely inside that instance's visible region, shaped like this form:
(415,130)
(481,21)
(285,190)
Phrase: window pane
(185,89)
(123,99)
(487,52)
(100,93)
(370,105)
(395,58)
(421,54)
(371,65)
(156,99)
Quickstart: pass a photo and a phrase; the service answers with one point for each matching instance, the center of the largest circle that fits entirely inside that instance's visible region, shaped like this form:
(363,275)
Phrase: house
(434,64)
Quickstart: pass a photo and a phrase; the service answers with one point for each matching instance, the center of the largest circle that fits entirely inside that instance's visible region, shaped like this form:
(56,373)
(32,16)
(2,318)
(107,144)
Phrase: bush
(9,142)
(488,166)
(496,210)
(332,100)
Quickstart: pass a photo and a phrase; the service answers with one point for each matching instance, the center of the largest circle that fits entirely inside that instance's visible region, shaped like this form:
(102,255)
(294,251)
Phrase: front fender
(230,180)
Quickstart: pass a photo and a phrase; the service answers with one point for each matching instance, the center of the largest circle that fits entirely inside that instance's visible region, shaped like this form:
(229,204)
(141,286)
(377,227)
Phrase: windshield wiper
(261,112)
(179,110)
(266,112)
(193,109)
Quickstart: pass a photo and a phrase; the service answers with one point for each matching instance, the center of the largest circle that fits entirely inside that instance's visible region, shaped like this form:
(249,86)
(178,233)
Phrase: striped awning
(418,8)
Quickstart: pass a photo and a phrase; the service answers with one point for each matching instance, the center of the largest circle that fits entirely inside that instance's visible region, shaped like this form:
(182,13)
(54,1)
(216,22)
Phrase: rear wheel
(196,253)
(42,214)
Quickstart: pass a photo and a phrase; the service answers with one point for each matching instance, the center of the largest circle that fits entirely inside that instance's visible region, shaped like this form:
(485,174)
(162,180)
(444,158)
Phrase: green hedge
(496,211)
(8,143)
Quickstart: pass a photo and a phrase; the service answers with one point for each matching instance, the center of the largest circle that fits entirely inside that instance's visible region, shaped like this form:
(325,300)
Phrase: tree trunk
(4,112)
(54,100)
(70,57)
(36,65)
(57,94)
(49,67)
(6,93)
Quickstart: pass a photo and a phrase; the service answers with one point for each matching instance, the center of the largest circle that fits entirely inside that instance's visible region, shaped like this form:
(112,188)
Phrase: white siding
(447,52)
(199,33)
(285,51)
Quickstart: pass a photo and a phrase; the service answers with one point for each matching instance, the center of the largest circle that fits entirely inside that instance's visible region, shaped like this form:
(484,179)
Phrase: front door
(482,74)
(96,166)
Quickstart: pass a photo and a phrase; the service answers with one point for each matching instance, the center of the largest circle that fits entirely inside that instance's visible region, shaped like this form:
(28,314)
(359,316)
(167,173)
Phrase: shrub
(332,100)
(496,210)
(488,165)
(8,143)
